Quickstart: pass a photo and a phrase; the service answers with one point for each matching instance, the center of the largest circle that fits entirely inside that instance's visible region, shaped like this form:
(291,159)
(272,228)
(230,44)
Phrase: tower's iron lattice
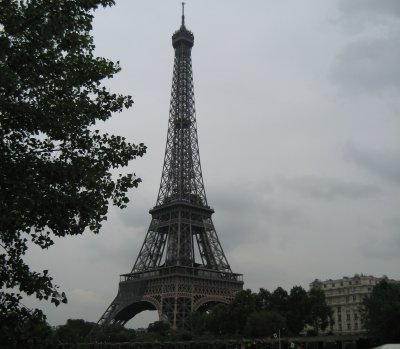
(181,267)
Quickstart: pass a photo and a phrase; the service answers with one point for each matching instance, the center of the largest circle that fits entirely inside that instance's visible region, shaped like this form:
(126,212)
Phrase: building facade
(345,297)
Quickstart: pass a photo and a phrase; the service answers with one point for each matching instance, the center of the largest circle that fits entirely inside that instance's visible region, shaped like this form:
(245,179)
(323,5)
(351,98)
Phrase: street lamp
(279,337)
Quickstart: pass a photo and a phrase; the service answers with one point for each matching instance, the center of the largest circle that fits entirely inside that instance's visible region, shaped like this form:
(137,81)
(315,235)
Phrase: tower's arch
(130,310)
(207,303)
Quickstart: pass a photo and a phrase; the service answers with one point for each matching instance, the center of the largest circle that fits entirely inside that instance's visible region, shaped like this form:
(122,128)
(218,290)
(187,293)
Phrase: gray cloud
(328,188)
(246,213)
(369,64)
(368,8)
(384,163)
(385,243)
(134,216)
(369,59)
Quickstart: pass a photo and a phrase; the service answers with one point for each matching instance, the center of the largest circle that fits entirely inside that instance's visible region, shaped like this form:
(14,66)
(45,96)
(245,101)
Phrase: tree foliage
(159,327)
(263,324)
(320,314)
(74,331)
(30,333)
(264,313)
(245,303)
(382,311)
(56,169)
(298,309)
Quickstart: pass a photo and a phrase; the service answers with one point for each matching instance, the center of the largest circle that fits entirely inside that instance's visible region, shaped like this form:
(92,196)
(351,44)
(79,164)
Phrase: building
(345,297)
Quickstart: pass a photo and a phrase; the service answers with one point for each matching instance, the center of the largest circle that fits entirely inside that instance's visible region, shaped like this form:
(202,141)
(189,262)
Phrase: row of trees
(250,315)
(265,313)
(36,333)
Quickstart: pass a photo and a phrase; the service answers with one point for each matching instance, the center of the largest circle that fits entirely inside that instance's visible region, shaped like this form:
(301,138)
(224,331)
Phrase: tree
(320,314)
(57,171)
(264,299)
(279,301)
(81,331)
(33,332)
(159,327)
(74,331)
(216,320)
(198,322)
(263,323)
(298,309)
(381,315)
(244,303)
(112,333)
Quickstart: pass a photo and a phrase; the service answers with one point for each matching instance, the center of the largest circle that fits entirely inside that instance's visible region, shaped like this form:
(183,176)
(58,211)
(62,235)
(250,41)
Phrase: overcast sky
(298,115)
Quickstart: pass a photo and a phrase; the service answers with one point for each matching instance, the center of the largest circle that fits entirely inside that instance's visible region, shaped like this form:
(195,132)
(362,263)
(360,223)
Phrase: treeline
(266,313)
(36,333)
(250,315)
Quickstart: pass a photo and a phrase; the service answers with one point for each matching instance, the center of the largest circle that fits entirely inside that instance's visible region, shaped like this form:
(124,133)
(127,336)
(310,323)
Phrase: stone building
(345,297)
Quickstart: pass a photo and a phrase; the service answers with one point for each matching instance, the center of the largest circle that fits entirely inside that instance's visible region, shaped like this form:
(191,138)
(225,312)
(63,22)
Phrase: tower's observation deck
(183,37)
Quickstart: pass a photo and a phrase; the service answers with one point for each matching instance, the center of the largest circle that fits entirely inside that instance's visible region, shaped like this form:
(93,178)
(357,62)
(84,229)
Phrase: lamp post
(279,338)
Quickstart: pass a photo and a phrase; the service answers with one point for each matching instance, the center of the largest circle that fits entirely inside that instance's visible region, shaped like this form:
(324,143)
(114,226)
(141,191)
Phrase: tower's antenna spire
(183,14)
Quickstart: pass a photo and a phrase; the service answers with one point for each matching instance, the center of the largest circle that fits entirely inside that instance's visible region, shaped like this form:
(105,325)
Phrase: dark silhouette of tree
(279,301)
(112,333)
(381,315)
(159,327)
(264,299)
(57,172)
(216,320)
(245,303)
(264,313)
(33,333)
(80,331)
(263,324)
(297,310)
(74,331)
(320,314)
(198,322)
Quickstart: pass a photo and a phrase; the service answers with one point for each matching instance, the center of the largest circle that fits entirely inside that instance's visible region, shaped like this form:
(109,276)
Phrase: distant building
(345,297)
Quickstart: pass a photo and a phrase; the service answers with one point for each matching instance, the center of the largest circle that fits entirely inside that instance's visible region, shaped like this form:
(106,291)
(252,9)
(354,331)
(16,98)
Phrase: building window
(333,285)
(355,316)
(341,283)
(348,327)
(340,327)
(349,282)
(339,309)
(347,299)
(354,297)
(324,285)
(356,326)
(348,317)
(339,317)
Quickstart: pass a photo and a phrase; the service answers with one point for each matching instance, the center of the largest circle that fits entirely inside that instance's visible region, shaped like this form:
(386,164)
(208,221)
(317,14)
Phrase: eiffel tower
(181,267)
